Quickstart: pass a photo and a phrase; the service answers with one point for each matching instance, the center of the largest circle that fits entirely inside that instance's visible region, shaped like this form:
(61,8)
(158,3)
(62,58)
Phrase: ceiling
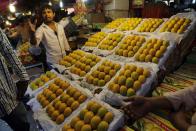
(25,5)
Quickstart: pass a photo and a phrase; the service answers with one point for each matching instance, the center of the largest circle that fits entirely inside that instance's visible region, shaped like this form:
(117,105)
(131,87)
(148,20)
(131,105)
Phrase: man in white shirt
(178,102)
(52,35)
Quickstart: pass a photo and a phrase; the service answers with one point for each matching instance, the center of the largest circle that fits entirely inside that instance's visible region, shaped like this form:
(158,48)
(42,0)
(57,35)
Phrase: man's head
(48,13)
(21,20)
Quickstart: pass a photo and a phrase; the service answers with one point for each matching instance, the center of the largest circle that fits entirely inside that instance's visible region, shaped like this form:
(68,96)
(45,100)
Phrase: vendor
(52,35)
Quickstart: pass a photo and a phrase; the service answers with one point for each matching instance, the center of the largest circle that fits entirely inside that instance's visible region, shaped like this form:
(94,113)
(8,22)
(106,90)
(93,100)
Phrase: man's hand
(32,26)
(139,107)
(180,120)
(68,52)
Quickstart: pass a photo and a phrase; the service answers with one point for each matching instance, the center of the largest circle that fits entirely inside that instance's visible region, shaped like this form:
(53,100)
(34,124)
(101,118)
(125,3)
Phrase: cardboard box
(96,18)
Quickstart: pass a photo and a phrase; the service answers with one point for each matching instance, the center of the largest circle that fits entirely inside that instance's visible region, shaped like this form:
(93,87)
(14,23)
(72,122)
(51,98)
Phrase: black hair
(46,6)
(21,19)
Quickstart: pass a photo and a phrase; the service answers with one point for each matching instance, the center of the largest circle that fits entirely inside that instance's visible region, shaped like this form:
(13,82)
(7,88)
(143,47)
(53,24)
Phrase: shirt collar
(45,26)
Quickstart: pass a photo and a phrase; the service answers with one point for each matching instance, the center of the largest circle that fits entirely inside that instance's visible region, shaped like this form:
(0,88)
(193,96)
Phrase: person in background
(99,7)
(178,102)
(22,30)
(52,36)
(11,109)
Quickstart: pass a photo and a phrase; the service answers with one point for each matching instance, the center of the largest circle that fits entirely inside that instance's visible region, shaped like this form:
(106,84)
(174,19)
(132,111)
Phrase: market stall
(116,63)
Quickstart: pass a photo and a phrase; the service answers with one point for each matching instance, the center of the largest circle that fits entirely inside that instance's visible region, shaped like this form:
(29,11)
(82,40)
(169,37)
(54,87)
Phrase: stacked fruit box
(93,41)
(155,50)
(72,58)
(128,47)
(149,26)
(101,74)
(108,45)
(180,27)
(95,115)
(133,79)
(59,102)
(40,82)
(176,25)
(83,66)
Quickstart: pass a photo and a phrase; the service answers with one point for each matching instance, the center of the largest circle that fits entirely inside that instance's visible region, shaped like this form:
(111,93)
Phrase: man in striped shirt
(11,110)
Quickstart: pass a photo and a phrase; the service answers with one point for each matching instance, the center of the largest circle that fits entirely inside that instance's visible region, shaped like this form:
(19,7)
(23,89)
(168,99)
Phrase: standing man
(52,35)
(11,109)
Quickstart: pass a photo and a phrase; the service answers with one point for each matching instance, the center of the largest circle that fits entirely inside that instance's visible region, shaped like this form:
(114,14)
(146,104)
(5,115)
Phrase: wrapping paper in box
(88,48)
(49,124)
(77,77)
(106,30)
(106,52)
(117,122)
(170,48)
(92,87)
(60,68)
(34,92)
(120,58)
(142,91)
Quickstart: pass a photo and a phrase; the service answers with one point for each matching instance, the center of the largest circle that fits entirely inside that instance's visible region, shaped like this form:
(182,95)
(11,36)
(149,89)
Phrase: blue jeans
(4,126)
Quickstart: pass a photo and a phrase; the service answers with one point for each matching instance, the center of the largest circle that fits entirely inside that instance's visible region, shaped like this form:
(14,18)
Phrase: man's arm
(64,22)
(33,40)
(185,97)
(35,35)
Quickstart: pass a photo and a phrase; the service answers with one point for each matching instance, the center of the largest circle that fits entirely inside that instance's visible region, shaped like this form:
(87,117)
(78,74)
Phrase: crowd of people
(52,36)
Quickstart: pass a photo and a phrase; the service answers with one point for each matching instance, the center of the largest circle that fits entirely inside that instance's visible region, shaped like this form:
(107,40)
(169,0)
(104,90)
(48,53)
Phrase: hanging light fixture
(12,8)
(50,3)
(7,23)
(61,4)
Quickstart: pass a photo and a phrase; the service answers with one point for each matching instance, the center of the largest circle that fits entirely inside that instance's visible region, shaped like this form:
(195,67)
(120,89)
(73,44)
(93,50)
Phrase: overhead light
(7,22)
(61,4)
(70,10)
(50,3)
(84,0)
(29,13)
(10,17)
(12,8)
